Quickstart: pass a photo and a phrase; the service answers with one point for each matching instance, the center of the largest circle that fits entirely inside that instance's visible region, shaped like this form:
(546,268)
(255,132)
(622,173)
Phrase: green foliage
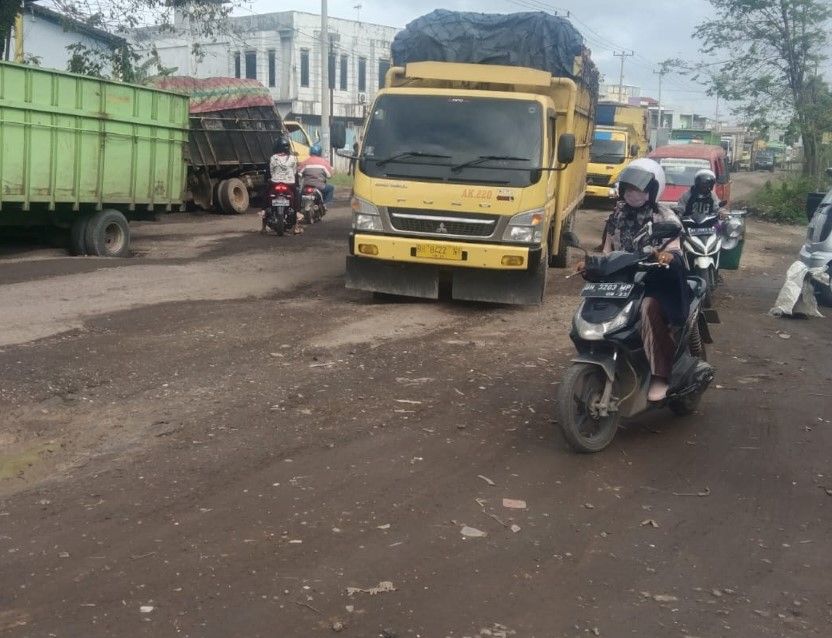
(784,201)
(770,51)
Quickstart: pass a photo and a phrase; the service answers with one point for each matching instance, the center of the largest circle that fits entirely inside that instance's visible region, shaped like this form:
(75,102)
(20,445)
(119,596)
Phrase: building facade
(48,37)
(282,50)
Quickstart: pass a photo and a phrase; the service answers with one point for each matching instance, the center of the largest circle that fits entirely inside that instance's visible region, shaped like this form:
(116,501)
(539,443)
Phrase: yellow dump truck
(467,177)
(620,136)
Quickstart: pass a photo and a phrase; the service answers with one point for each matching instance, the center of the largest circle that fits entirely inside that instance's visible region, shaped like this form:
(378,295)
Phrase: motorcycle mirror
(571,239)
(666,230)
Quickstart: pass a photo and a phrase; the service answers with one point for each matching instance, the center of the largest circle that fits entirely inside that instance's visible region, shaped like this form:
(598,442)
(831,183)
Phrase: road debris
(660,598)
(472,532)
(702,494)
(514,504)
(486,479)
(515,528)
(649,522)
(337,626)
(383,587)
(146,609)
(385,526)
(409,401)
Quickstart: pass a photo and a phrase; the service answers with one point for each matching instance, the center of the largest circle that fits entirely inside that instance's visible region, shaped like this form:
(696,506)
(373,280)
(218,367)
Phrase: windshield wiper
(401,156)
(482,159)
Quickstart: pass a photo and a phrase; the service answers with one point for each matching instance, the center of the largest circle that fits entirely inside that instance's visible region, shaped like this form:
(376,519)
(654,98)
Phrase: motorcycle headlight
(596,331)
(365,216)
(526,227)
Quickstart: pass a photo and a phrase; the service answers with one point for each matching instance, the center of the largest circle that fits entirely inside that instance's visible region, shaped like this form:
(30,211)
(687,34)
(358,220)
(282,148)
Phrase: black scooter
(280,213)
(610,376)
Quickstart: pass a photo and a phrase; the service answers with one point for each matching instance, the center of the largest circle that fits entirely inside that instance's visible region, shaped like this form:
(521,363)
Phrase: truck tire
(108,234)
(559,260)
(233,196)
(78,236)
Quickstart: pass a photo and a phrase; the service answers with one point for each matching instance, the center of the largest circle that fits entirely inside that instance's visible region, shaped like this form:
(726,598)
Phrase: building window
(236,64)
(304,68)
(272,68)
(362,74)
(331,77)
(344,62)
(383,67)
(251,65)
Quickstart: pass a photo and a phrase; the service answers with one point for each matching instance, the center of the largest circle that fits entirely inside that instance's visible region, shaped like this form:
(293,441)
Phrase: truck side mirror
(338,135)
(566,148)
(634,149)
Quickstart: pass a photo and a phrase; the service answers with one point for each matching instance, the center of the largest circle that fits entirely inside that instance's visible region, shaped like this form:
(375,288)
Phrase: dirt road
(215,438)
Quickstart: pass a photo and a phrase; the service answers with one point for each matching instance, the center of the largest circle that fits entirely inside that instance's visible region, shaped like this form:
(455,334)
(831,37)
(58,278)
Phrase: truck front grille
(595,179)
(432,222)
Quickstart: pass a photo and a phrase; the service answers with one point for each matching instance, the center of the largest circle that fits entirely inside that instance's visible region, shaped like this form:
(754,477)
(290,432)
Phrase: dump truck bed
(71,143)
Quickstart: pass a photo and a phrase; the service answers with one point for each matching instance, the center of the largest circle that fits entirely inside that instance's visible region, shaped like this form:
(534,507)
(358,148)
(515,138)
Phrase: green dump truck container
(87,154)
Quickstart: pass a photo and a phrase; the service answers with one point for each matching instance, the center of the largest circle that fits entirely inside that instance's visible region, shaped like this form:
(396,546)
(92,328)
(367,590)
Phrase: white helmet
(654,167)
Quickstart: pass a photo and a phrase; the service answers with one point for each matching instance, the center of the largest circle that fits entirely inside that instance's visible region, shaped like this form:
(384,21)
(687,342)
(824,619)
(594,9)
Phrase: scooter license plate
(607,290)
(280,201)
(701,231)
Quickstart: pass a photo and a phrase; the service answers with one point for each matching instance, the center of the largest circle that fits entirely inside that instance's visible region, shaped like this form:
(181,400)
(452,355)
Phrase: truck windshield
(681,171)
(604,151)
(437,138)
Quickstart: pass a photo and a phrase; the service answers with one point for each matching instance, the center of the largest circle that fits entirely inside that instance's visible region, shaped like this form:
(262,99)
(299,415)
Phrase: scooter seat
(697,286)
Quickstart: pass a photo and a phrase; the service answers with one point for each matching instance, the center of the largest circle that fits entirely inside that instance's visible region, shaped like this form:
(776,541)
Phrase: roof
(71,24)
(685,151)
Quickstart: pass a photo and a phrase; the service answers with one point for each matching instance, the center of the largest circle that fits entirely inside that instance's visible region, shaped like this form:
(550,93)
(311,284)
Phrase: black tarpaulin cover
(532,39)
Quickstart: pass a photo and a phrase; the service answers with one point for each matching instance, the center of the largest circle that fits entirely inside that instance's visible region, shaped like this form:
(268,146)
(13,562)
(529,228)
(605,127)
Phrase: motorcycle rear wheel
(277,224)
(585,433)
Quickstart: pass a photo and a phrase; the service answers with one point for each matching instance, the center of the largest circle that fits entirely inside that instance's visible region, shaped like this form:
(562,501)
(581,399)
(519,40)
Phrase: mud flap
(408,280)
(515,287)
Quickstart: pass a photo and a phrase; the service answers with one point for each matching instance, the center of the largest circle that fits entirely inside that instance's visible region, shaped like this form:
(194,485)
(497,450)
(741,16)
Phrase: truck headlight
(526,227)
(365,216)
(596,331)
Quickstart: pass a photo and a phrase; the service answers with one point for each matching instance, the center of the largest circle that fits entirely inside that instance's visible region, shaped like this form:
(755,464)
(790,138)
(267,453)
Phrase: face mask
(636,199)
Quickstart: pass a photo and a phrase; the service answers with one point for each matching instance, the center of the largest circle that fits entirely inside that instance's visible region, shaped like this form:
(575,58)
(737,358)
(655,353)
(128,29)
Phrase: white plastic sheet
(797,297)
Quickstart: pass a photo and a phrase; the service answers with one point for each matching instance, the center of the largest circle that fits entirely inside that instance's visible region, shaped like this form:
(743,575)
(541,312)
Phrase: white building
(282,50)
(610,93)
(47,35)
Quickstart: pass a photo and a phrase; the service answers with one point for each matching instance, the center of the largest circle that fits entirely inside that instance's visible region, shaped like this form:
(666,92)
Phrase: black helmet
(705,179)
(281,146)
(641,179)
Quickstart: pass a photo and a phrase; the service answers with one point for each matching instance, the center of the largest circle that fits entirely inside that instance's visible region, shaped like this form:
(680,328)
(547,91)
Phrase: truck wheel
(108,234)
(233,196)
(77,236)
(559,260)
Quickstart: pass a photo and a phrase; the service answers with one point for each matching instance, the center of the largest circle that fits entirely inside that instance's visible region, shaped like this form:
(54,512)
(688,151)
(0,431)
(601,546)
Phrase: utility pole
(660,73)
(622,55)
(19,55)
(717,113)
(325,106)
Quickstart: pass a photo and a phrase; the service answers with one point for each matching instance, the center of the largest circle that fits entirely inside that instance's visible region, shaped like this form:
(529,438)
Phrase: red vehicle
(681,162)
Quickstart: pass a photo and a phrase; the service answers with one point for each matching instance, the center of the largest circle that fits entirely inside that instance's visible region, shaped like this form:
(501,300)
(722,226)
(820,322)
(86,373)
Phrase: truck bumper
(480,276)
(605,192)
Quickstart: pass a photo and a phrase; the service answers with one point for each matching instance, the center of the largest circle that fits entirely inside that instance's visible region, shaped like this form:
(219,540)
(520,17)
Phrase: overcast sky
(655,30)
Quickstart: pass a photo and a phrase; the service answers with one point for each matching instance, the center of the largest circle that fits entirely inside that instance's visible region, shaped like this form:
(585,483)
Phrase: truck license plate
(280,201)
(607,291)
(438,251)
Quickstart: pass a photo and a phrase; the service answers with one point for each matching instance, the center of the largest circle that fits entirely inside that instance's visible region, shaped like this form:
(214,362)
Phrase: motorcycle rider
(283,168)
(315,171)
(700,201)
(667,298)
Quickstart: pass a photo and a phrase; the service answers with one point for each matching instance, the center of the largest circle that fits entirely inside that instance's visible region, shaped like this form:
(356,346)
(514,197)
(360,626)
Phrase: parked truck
(474,158)
(233,125)
(620,136)
(87,154)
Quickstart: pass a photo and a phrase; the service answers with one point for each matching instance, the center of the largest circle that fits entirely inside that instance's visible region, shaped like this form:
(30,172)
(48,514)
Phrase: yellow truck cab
(620,137)
(301,142)
(467,175)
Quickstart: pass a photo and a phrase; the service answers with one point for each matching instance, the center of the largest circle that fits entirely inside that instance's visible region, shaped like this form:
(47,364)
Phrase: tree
(204,18)
(771,51)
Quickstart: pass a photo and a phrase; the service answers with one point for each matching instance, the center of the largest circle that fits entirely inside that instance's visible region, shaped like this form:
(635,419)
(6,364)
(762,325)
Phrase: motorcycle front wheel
(584,429)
